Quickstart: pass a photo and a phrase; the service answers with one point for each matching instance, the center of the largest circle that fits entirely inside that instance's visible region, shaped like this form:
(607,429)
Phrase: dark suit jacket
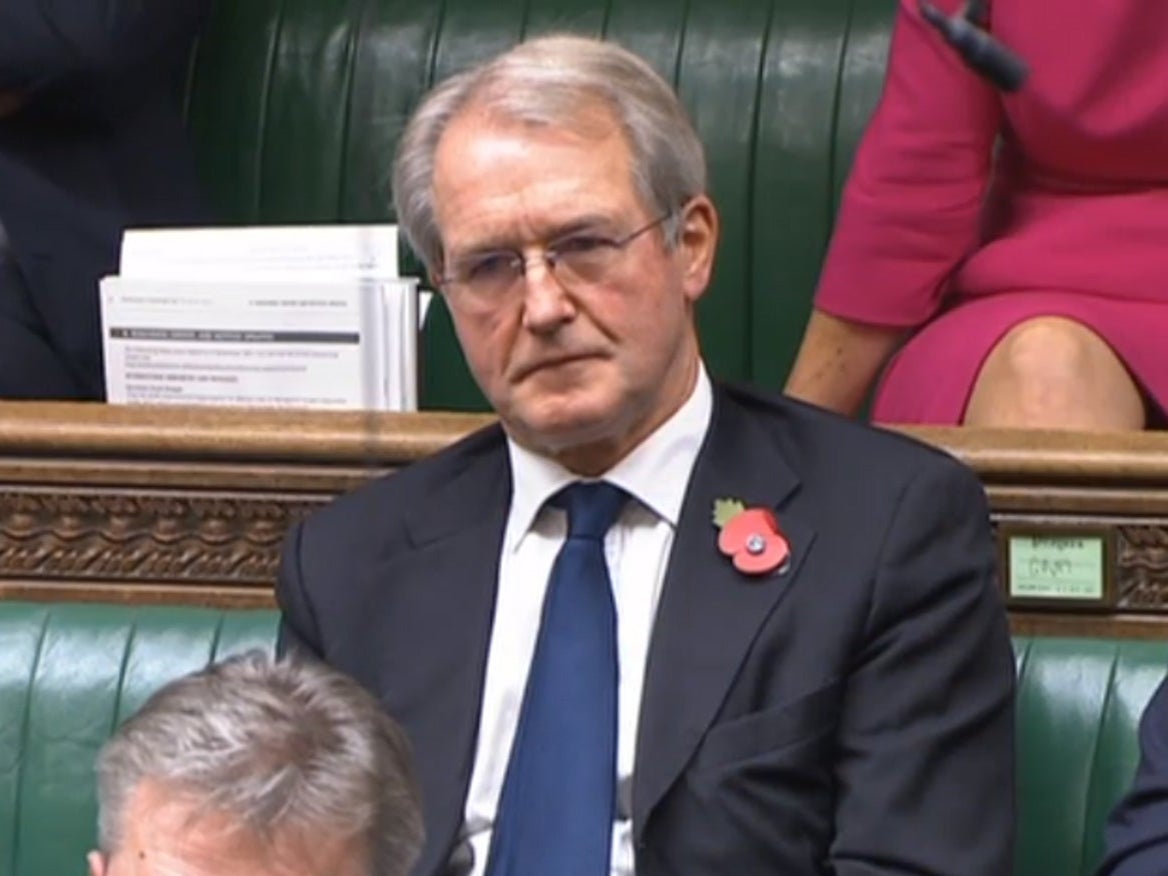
(851,716)
(1137,833)
(98,146)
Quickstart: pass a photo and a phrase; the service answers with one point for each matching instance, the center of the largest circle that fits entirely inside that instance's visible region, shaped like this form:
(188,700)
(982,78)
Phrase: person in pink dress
(1019,242)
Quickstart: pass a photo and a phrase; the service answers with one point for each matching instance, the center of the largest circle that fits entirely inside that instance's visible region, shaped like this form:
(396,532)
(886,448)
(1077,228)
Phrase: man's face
(580,372)
(166,835)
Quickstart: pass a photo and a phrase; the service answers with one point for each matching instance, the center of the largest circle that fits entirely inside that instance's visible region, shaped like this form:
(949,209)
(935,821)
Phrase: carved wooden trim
(156,536)
(180,505)
(190,504)
(1142,567)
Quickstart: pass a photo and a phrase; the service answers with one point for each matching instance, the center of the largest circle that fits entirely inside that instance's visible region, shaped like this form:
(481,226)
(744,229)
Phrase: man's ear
(97,865)
(698,244)
(435,272)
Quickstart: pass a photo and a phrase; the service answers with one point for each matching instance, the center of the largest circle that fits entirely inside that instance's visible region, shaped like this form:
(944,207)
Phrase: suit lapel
(448,586)
(709,612)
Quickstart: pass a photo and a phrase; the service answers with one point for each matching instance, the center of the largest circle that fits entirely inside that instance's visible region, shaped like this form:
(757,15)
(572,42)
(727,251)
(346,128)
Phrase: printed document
(311,316)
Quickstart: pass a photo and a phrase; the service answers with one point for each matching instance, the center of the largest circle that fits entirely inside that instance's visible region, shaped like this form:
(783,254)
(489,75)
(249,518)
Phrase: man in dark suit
(91,142)
(822,685)
(1137,832)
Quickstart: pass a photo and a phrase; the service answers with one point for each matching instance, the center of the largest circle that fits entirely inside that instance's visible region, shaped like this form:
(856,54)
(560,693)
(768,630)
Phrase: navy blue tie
(556,810)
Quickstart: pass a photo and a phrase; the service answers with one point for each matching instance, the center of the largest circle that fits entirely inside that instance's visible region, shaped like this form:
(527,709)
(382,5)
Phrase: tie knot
(592,507)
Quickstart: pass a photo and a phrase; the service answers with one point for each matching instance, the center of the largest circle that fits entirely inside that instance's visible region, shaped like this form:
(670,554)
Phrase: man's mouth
(551,362)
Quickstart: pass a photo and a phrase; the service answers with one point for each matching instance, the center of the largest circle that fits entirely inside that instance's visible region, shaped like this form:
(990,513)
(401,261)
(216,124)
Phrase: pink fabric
(1071,219)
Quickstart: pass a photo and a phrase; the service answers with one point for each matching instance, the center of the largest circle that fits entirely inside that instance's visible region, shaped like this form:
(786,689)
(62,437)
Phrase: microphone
(978,49)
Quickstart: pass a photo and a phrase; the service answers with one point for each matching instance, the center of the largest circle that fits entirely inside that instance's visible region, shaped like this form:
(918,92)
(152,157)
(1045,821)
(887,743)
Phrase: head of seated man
(254,767)
(561,209)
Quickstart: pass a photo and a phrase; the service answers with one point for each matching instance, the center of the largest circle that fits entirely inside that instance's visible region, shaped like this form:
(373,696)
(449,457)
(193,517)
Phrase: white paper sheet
(307,316)
(255,343)
(270,252)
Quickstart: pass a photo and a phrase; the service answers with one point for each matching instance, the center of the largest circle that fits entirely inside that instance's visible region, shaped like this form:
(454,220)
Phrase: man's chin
(561,429)
(557,435)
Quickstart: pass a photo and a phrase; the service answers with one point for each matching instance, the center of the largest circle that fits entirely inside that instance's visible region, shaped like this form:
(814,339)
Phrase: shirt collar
(656,472)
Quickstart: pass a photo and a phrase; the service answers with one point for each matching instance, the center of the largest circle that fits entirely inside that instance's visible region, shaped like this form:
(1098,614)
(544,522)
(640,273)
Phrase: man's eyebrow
(593,222)
(479,250)
(499,244)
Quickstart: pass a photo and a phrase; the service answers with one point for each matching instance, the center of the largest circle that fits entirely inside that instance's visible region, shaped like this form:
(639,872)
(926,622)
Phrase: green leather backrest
(1079,704)
(70,673)
(296,106)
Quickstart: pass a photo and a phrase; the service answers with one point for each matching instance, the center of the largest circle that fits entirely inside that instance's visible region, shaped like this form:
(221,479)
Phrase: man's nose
(547,303)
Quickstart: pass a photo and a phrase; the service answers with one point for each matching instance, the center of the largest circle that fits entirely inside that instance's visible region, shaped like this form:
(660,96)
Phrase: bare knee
(1047,358)
(1053,372)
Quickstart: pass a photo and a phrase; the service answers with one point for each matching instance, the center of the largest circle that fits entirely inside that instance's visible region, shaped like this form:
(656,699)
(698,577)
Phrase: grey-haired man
(597,679)
(253,767)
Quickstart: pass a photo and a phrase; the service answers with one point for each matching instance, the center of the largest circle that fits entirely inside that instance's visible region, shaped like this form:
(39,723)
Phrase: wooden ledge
(92,430)
(1055,458)
(237,434)
(171,504)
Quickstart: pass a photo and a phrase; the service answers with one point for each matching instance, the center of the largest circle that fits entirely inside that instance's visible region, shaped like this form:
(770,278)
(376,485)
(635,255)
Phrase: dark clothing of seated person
(1137,832)
(91,142)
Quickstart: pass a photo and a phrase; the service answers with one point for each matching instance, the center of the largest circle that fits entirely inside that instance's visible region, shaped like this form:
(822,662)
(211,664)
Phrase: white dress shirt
(655,474)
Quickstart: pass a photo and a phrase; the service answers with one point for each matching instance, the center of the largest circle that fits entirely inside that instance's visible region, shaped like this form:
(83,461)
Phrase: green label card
(1056,566)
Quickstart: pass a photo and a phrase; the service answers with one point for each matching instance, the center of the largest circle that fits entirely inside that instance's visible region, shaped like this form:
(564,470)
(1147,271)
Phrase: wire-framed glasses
(577,259)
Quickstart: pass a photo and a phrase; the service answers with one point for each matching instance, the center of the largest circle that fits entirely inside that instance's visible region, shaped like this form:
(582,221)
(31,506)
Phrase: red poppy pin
(750,537)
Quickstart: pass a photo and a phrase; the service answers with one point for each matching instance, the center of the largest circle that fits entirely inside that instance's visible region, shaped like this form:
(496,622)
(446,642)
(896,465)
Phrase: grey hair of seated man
(271,746)
(548,81)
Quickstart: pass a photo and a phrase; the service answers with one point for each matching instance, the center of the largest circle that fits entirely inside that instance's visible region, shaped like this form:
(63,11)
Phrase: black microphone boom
(980,51)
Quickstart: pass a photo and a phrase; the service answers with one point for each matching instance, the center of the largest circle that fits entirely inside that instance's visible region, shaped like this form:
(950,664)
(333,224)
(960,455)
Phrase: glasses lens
(489,276)
(580,259)
(584,259)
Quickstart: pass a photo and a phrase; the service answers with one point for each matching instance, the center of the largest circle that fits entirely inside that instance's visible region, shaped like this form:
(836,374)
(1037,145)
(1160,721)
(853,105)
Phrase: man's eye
(582,244)
(491,267)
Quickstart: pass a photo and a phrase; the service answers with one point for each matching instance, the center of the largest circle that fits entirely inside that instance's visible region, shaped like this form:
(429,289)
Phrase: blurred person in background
(1019,242)
(91,142)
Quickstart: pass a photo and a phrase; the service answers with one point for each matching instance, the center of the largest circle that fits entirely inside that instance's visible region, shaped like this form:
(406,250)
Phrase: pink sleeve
(911,207)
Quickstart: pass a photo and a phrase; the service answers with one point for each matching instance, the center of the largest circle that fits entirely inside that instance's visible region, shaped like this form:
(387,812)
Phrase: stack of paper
(303,316)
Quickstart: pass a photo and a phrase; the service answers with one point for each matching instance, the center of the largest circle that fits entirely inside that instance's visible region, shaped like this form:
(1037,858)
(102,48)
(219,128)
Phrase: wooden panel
(1113,483)
(108,503)
(189,505)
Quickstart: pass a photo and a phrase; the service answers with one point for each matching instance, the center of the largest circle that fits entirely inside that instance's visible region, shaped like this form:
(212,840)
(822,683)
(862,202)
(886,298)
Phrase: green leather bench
(69,673)
(296,106)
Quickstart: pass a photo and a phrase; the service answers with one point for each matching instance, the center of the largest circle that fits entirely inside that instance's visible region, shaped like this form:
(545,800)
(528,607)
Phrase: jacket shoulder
(812,438)
(388,499)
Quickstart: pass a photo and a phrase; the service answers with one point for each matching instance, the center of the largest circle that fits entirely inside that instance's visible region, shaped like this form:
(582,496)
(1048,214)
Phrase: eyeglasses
(574,260)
